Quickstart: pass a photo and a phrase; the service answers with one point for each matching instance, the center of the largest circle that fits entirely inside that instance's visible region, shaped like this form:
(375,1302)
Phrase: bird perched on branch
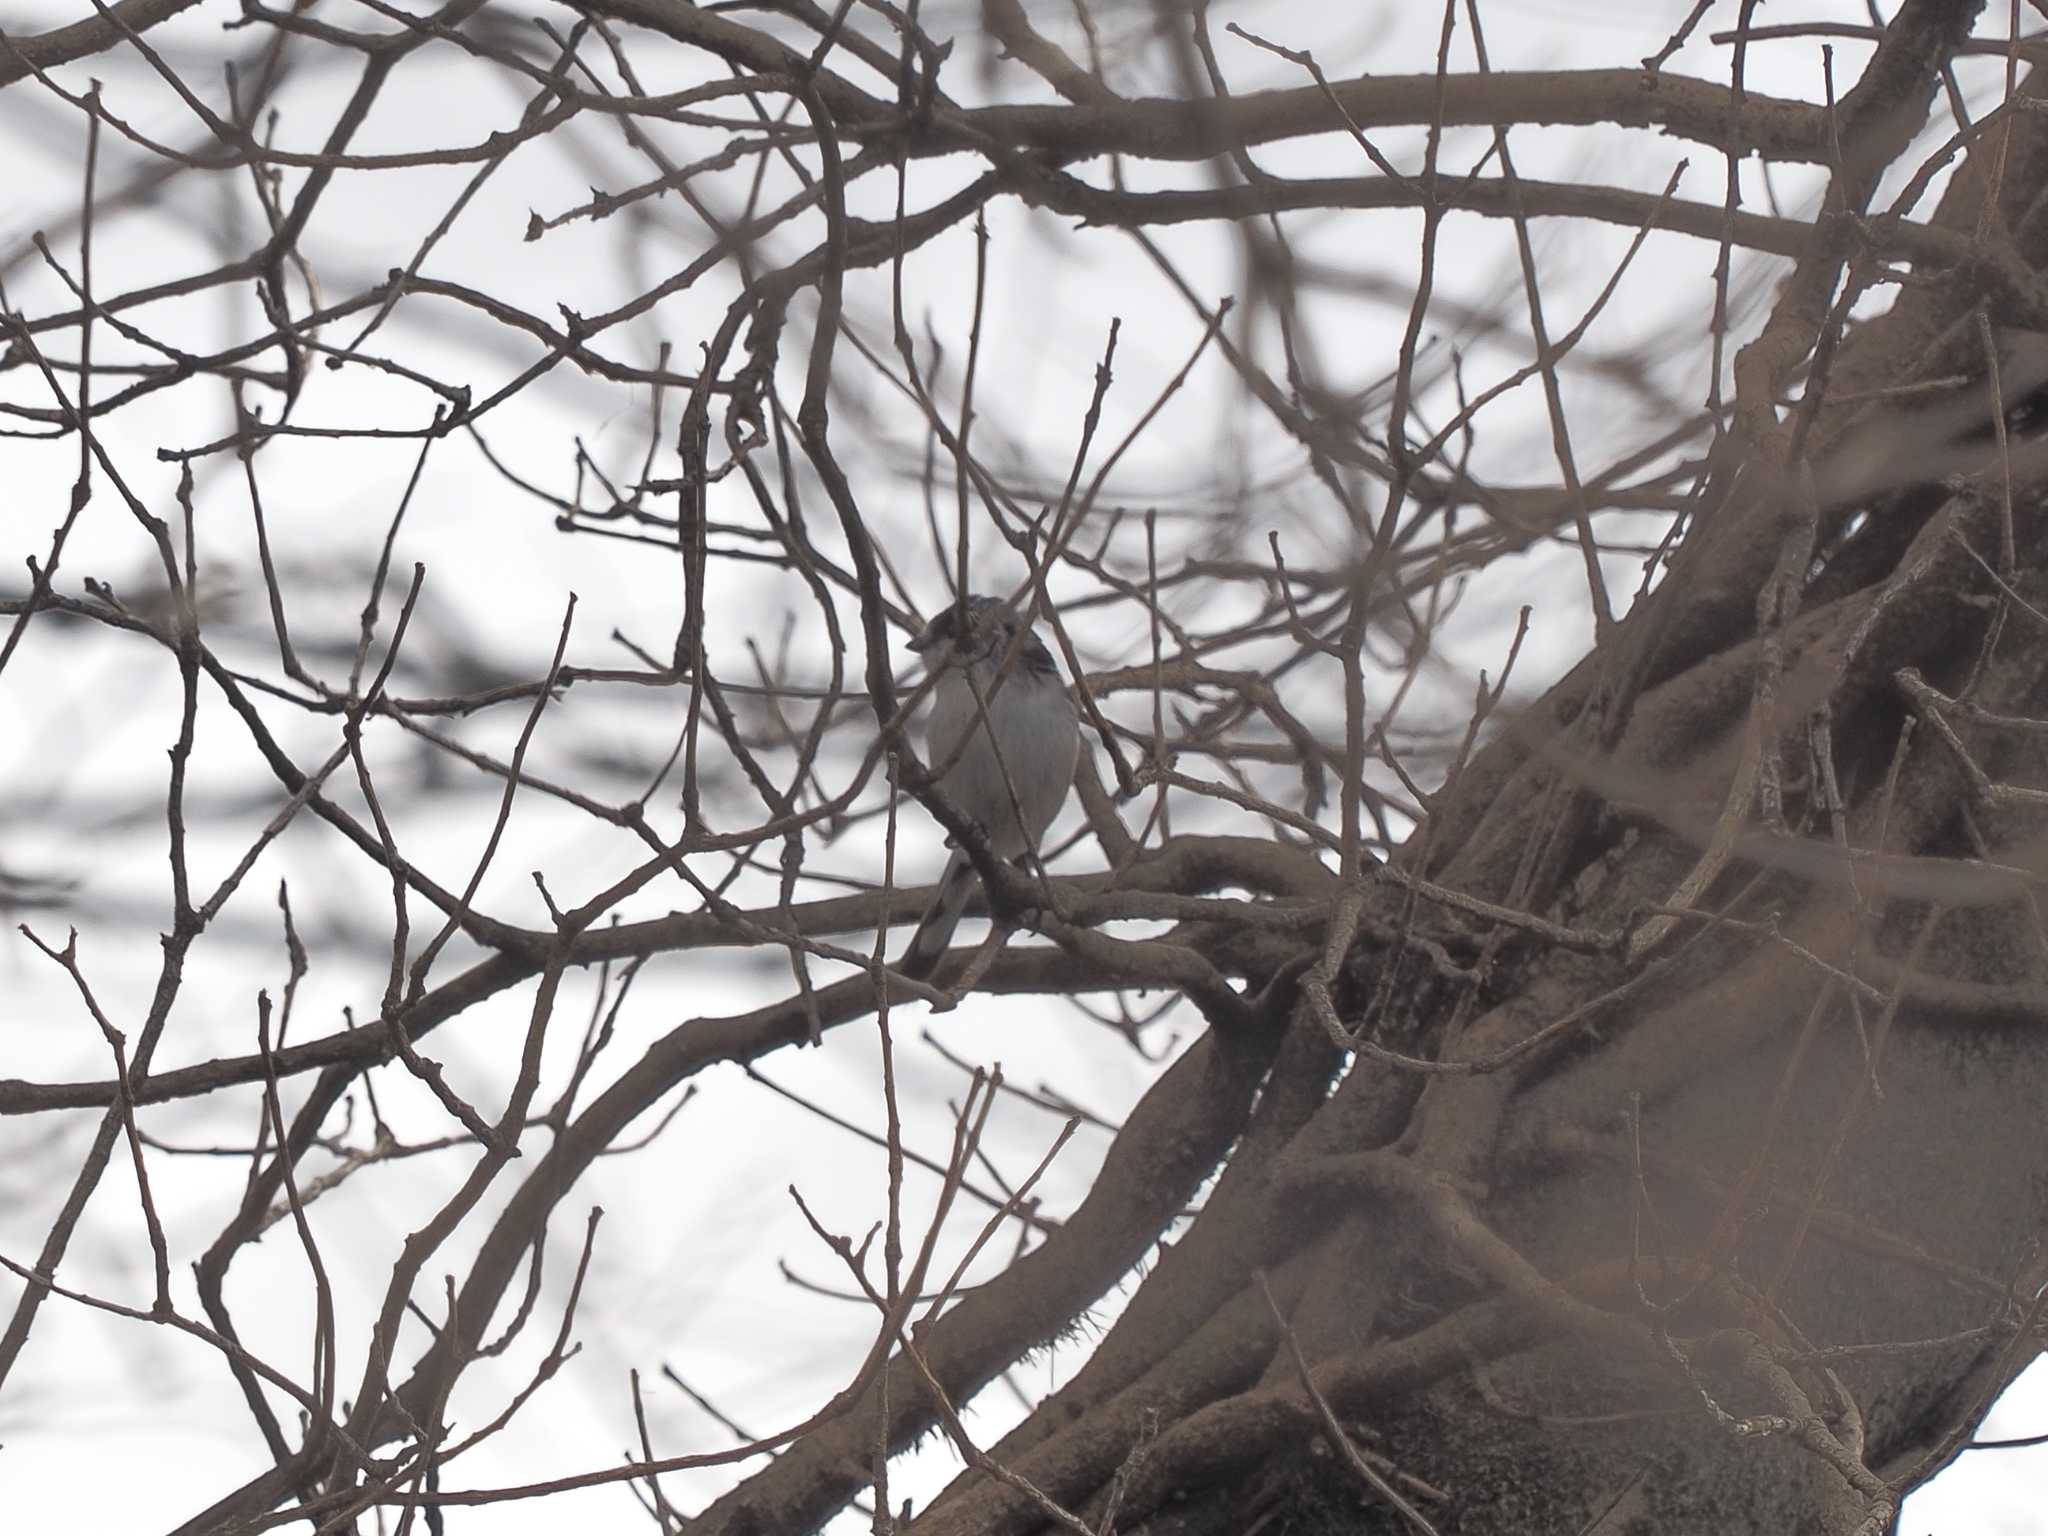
(998,691)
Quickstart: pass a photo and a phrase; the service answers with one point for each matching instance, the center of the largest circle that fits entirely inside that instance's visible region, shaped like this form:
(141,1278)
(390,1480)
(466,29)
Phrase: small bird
(1020,759)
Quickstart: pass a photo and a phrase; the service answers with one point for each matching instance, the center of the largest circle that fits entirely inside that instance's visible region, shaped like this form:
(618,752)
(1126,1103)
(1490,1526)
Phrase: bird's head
(978,631)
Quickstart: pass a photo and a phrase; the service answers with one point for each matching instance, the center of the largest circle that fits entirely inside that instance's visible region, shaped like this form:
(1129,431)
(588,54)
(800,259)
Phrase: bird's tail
(935,928)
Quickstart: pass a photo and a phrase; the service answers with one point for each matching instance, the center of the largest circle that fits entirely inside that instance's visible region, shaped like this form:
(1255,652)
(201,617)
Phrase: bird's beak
(922,642)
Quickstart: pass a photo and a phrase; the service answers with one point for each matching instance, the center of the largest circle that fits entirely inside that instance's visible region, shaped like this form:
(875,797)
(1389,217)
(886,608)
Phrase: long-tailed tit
(1014,770)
